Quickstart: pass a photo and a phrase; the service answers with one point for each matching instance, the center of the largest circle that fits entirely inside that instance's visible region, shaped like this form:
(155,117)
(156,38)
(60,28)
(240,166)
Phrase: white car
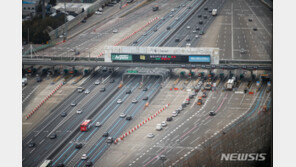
(163,124)
(188,44)
(150,135)
(98,13)
(188,27)
(135,101)
(97,83)
(173,10)
(175,114)
(119,101)
(87,91)
(196,36)
(115,31)
(158,127)
(79,111)
(122,115)
(84,157)
(98,124)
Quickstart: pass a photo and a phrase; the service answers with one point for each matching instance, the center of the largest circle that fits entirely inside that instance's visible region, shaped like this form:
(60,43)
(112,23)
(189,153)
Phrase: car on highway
(111,81)
(168,28)
(145,98)
(212,113)
(128,92)
(169,119)
(188,27)
(88,164)
(97,82)
(201,32)
(173,10)
(171,15)
(135,42)
(188,44)
(197,28)
(73,104)
(187,101)
(78,145)
(255,29)
(206,8)
(106,134)
(115,31)
(199,101)
(145,89)
(155,29)
(196,36)
(199,16)
(98,13)
(79,111)
(183,5)
(158,127)
(163,124)
(102,89)
(122,115)
(177,40)
(243,51)
(129,118)
(83,21)
(119,101)
(87,91)
(98,124)
(200,22)
(110,139)
(189,7)
(180,108)
(150,135)
(63,114)
(194,31)
(177,18)
(53,136)
(175,114)
(84,157)
(135,101)
(31,144)
(250,19)
(187,39)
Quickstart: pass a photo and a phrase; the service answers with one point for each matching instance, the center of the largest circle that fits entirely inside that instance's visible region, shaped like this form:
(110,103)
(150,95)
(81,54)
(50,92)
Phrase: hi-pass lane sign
(121,57)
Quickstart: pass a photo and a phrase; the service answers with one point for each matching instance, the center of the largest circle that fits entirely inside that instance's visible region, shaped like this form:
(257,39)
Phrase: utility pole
(43,9)
(28,35)
(65,30)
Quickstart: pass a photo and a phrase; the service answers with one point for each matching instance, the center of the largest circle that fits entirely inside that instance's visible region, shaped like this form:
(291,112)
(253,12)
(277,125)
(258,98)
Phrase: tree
(53,2)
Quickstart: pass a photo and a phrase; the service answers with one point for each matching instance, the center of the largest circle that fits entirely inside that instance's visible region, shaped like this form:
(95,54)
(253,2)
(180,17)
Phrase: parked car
(163,124)
(212,113)
(158,127)
(150,135)
(169,119)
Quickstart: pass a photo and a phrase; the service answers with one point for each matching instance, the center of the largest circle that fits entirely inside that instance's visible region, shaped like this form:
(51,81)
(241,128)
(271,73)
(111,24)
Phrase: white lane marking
(32,150)
(30,94)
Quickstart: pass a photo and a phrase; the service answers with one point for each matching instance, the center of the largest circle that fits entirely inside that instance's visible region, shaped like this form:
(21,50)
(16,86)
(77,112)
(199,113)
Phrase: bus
(46,163)
(85,126)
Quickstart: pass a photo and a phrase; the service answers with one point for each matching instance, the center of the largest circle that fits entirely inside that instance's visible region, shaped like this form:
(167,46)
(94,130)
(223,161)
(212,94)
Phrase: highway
(54,123)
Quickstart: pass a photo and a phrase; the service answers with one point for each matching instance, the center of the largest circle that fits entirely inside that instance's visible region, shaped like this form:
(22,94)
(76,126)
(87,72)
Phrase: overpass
(225,64)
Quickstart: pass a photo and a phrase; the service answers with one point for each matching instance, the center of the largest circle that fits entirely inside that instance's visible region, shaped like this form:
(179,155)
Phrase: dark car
(78,145)
(250,19)
(31,144)
(38,79)
(128,92)
(201,32)
(88,164)
(135,42)
(111,81)
(169,119)
(212,113)
(204,94)
(145,89)
(83,21)
(255,29)
(200,22)
(188,39)
(177,40)
(197,28)
(205,17)
(199,16)
(168,28)
(102,89)
(53,136)
(106,134)
(60,165)
(145,98)
(155,29)
(206,8)
(129,118)
(63,114)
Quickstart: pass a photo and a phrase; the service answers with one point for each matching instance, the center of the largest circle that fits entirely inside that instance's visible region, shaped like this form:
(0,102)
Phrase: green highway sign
(132,71)
(121,57)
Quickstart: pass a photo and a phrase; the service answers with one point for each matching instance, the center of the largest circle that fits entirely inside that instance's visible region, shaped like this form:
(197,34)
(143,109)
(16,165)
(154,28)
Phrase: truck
(24,81)
(214,12)
(155,8)
(230,83)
